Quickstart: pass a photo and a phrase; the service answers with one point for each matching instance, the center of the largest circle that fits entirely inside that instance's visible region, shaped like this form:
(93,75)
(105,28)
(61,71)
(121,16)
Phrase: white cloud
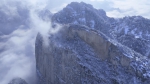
(56,9)
(17,60)
(131,7)
(139,7)
(18,57)
(126,7)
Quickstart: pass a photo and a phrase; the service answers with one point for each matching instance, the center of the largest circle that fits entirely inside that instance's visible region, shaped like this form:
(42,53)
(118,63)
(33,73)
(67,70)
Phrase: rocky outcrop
(45,14)
(81,55)
(18,81)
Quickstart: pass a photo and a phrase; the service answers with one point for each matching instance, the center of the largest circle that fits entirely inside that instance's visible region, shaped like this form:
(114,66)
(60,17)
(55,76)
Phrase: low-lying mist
(17,48)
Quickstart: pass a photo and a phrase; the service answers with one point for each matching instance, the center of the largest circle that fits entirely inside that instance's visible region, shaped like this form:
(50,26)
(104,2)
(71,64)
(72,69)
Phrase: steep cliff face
(81,55)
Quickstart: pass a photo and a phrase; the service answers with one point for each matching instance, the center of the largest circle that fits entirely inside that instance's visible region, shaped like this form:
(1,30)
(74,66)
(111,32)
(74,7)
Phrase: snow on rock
(98,61)
(75,22)
(92,23)
(126,30)
(82,20)
(128,38)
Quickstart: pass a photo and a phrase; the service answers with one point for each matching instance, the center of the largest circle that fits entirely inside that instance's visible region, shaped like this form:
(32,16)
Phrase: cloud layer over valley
(17,48)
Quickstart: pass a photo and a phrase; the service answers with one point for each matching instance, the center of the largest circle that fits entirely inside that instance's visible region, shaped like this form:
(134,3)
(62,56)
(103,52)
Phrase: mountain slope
(133,32)
(92,48)
(78,55)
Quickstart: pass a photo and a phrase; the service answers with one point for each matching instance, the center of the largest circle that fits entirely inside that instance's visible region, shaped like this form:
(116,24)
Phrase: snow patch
(75,22)
(92,23)
(133,31)
(74,13)
(147,74)
(137,37)
(82,20)
(126,30)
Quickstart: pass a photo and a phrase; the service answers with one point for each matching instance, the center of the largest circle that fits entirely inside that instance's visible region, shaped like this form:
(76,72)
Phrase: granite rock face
(81,55)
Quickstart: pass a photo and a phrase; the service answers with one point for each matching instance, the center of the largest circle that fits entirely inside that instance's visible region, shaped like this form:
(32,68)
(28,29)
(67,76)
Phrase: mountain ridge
(91,43)
(119,29)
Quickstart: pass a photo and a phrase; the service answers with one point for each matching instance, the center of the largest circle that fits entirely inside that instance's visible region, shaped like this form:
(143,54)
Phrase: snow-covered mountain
(83,14)
(93,48)
(90,47)
(133,32)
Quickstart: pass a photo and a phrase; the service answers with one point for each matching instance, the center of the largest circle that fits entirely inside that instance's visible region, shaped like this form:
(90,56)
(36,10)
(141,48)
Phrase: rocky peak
(45,14)
(81,13)
(18,81)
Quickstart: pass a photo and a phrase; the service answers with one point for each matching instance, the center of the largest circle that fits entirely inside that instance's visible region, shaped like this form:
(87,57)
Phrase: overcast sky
(18,59)
(114,8)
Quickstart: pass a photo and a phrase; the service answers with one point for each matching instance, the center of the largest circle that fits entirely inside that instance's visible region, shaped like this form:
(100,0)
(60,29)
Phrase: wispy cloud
(17,59)
(130,8)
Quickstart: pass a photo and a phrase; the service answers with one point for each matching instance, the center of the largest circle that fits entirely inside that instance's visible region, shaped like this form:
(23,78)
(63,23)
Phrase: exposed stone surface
(80,55)
(18,81)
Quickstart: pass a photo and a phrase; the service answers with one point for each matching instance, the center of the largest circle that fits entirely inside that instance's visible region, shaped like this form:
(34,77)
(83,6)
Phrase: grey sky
(114,8)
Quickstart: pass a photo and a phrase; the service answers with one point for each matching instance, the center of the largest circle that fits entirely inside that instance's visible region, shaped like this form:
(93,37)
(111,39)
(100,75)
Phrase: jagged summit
(81,13)
(83,7)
